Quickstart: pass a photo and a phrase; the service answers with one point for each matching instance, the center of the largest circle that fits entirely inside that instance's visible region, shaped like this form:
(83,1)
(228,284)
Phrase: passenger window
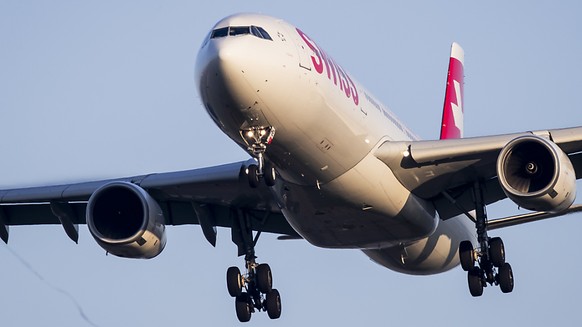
(219,32)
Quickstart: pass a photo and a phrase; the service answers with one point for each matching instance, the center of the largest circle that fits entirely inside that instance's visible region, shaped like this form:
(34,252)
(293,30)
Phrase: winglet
(452,123)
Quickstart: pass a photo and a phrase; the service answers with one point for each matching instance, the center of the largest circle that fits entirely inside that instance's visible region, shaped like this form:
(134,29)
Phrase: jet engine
(536,174)
(126,221)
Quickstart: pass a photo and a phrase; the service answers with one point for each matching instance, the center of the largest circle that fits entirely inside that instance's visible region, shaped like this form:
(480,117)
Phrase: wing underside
(445,171)
(210,197)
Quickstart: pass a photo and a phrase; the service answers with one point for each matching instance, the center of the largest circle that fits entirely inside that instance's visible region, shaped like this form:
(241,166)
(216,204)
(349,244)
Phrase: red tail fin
(452,123)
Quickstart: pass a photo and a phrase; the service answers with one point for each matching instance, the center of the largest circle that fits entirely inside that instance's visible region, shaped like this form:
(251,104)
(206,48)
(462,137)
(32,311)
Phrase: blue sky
(104,89)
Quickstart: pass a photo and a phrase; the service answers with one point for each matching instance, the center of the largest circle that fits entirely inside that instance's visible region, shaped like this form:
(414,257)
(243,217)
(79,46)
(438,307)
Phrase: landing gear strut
(252,290)
(491,267)
(257,139)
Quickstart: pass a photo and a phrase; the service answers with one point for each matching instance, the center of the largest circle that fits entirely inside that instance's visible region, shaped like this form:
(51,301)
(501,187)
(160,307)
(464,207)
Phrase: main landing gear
(252,290)
(485,264)
(257,139)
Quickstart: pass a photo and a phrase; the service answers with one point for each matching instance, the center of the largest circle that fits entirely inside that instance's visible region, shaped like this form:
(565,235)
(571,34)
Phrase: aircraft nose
(206,62)
(228,71)
(224,53)
(218,59)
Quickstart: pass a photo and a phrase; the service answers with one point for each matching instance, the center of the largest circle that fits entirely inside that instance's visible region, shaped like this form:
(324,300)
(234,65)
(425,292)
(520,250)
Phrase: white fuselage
(336,192)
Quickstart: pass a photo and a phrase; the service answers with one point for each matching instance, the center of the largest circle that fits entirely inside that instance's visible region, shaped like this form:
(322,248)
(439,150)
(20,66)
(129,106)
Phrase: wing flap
(457,201)
(38,214)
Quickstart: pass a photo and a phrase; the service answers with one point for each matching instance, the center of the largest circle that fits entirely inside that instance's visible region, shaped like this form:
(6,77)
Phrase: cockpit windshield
(241,30)
(219,32)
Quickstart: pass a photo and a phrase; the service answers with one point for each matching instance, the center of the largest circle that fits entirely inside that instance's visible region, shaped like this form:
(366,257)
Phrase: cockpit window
(219,32)
(255,31)
(241,30)
(263,33)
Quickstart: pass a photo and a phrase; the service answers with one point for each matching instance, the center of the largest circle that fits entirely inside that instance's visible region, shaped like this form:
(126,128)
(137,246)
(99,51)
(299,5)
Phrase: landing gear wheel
(273,304)
(264,278)
(257,138)
(253,175)
(466,255)
(475,283)
(234,281)
(497,252)
(269,174)
(243,307)
(505,278)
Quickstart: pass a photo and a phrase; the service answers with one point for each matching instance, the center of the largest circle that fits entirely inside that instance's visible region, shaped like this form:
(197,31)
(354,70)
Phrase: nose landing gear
(257,139)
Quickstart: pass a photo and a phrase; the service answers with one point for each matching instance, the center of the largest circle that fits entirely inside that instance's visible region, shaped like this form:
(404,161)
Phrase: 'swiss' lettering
(321,60)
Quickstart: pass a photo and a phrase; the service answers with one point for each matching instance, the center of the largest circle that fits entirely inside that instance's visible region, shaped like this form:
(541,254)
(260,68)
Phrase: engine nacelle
(126,221)
(536,174)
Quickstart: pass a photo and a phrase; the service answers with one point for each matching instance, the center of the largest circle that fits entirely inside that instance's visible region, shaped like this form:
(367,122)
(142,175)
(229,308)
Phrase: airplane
(329,164)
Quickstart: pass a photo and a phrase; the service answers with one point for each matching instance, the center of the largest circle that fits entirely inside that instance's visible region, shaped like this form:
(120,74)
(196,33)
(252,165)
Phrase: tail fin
(452,123)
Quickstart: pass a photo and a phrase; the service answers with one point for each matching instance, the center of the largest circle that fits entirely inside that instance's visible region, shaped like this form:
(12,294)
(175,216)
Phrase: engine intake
(536,174)
(126,221)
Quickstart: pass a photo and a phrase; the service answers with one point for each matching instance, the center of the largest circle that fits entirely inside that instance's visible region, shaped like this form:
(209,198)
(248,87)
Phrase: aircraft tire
(253,175)
(273,303)
(243,307)
(466,255)
(505,278)
(233,281)
(497,252)
(270,174)
(475,283)
(264,278)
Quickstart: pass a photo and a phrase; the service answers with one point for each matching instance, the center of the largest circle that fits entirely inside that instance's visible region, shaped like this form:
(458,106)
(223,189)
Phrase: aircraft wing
(182,196)
(445,171)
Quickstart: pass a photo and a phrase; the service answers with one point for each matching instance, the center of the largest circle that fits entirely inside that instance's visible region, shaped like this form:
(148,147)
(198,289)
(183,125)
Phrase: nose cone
(206,64)
(223,64)
(228,71)
(222,70)
(211,58)
(226,54)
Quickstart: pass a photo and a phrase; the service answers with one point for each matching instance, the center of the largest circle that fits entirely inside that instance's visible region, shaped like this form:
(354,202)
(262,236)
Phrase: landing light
(250,134)
(406,154)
